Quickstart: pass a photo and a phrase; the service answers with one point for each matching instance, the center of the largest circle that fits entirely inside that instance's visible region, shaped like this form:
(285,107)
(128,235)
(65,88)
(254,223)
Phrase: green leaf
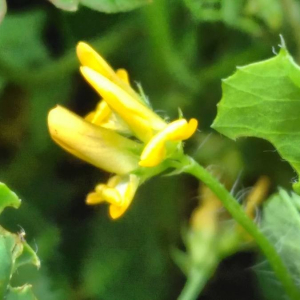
(8,198)
(21,293)
(262,100)
(6,246)
(14,251)
(28,256)
(107,6)
(281,224)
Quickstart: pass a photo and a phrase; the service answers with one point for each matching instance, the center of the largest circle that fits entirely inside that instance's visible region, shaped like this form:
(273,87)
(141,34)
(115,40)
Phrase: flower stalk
(190,166)
(123,135)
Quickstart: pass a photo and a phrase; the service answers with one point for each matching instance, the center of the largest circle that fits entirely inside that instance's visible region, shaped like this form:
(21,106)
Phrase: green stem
(189,166)
(197,279)
(195,283)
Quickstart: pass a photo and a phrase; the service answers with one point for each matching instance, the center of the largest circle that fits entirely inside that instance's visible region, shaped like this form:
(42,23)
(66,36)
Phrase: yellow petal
(123,74)
(182,130)
(205,217)
(127,191)
(118,192)
(141,120)
(104,117)
(100,115)
(155,151)
(257,195)
(94,198)
(99,146)
(90,58)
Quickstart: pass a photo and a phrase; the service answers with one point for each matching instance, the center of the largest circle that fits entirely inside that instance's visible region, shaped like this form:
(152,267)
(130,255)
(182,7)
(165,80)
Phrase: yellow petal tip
(115,212)
(82,46)
(83,51)
(93,199)
(191,128)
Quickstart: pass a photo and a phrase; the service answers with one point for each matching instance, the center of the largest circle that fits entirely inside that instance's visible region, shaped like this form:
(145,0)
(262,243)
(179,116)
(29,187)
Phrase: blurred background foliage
(179,50)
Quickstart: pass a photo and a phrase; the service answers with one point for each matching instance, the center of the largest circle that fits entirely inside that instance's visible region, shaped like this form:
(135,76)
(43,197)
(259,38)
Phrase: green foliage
(107,6)
(14,253)
(281,224)
(8,198)
(132,263)
(20,293)
(14,40)
(179,60)
(243,15)
(262,100)
(205,250)
(270,11)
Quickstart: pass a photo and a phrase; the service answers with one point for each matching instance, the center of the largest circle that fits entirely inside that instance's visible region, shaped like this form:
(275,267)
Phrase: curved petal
(142,121)
(118,192)
(181,130)
(104,117)
(99,146)
(100,115)
(123,74)
(155,151)
(90,58)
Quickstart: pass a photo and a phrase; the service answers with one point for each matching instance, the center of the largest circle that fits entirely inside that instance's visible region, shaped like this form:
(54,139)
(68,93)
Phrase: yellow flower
(119,192)
(103,148)
(96,145)
(256,196)
(156,150)
(123,101)
(123,135)
(205,217)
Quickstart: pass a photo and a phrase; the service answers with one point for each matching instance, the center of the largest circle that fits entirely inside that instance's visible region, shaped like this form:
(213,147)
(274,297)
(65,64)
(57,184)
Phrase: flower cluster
(123,135)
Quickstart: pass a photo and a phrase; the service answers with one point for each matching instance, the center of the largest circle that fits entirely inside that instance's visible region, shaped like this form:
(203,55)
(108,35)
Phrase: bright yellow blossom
(123,135)
(122,100)
(118,191)
(105,149)
(257,195)
(155,150)
(96,145)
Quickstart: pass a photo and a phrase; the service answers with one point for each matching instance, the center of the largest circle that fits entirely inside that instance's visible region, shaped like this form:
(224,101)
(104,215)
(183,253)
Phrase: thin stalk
(196,282)
(190,166)
(194,285)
